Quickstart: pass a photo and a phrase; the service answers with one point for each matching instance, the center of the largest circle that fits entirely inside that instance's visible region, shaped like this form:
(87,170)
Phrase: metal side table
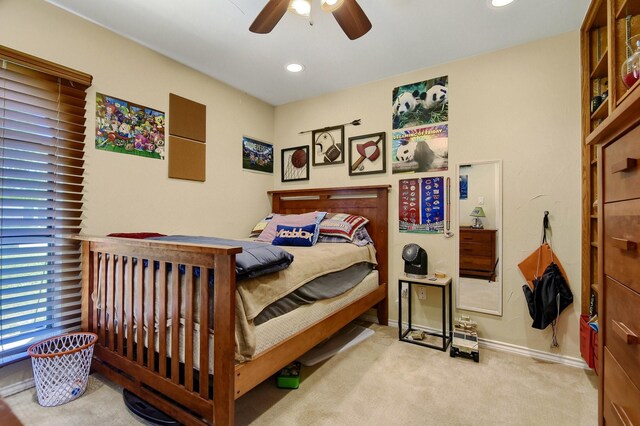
(443,284)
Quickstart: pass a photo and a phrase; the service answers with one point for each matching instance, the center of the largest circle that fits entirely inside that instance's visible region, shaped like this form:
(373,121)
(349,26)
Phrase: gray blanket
(324,287)
(255,260)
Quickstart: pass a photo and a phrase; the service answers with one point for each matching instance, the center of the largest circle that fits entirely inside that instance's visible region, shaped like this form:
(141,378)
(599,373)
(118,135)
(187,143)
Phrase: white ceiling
(212,36)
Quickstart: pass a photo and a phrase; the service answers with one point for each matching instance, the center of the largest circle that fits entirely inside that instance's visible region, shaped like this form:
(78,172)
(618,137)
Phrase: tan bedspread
(310,262)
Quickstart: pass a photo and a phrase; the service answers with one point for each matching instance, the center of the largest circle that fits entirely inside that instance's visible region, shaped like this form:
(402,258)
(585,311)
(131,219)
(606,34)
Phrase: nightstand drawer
(481,263)
(477,235)
(622,242)
(623,327)
(621,168)
(620,404)
(475,249)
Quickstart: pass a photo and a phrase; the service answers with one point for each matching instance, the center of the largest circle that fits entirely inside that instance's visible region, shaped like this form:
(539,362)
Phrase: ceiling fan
(348,13)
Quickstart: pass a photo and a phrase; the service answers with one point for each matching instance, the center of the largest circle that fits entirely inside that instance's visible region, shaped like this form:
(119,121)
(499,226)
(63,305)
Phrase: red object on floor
(586,340)
(594,345)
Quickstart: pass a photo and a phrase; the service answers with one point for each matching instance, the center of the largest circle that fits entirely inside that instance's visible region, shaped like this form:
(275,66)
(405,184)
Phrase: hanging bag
(550,294)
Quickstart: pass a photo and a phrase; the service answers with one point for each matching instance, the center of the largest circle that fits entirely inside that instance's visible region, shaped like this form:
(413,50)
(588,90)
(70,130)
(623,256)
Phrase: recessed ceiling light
(500,3)
(294,67)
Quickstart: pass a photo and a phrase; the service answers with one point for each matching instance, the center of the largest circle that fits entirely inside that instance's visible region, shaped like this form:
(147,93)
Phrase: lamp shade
(477,212)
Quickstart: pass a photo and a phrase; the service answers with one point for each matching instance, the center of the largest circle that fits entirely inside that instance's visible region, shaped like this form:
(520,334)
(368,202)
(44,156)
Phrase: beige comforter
(254,295)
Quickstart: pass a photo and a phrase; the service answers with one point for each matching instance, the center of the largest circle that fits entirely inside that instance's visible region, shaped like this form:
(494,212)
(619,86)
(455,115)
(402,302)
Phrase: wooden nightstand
(477,252)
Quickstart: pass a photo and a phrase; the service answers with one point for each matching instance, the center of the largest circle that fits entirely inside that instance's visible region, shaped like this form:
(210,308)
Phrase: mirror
(480,237)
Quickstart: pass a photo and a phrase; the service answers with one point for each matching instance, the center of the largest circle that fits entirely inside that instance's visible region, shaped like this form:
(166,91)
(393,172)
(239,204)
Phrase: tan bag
(535,264)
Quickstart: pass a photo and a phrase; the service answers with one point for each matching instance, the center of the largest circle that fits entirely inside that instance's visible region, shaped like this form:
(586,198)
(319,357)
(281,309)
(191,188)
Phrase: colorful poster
(257,155)
(422,205)
(464,186)
(423,149)
(128,128)
(424,102)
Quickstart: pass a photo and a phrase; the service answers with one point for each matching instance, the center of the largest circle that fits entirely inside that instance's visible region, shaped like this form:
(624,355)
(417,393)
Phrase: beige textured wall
(521,105)
(129,193)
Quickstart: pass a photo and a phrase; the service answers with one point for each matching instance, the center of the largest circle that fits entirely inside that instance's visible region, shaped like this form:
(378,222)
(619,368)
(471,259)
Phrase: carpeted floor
(381,381)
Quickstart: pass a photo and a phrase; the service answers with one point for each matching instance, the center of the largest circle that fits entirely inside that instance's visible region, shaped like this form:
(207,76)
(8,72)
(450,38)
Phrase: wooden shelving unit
(604,36)
(607,128)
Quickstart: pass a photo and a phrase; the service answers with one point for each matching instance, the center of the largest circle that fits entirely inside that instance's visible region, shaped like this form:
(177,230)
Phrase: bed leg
(224,293)
(383,312)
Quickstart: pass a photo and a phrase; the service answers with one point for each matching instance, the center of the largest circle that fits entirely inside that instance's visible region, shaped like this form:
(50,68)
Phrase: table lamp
(477,213)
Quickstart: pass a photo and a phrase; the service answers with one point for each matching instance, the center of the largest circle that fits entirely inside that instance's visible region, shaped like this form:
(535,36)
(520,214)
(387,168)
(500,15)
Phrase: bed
(160,370)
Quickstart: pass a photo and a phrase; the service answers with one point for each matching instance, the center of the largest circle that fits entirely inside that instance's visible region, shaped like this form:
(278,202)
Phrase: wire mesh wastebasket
(61,367)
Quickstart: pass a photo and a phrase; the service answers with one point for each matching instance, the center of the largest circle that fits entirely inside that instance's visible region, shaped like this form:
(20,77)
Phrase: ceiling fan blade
(269,16)
(352,19)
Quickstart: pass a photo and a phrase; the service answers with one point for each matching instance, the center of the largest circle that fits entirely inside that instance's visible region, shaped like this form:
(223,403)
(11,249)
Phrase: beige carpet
(381,381)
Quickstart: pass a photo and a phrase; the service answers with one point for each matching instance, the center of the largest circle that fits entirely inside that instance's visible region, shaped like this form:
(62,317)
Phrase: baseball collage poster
(421,206)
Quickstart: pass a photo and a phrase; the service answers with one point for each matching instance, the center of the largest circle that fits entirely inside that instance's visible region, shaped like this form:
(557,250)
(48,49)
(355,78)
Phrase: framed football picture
(328,146)
(295,163)
(367,154)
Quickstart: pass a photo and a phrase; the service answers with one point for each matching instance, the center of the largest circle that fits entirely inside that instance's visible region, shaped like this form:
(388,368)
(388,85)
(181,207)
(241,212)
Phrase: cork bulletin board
(187,139)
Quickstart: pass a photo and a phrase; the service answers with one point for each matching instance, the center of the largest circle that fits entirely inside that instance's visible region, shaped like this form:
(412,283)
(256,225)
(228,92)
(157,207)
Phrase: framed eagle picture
(367,154)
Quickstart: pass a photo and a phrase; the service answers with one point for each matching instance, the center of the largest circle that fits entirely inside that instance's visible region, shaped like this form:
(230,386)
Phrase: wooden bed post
(382,247)
(85,295)
(224,311)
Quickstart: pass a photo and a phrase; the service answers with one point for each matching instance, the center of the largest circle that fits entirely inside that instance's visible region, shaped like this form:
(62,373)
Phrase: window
(42,132)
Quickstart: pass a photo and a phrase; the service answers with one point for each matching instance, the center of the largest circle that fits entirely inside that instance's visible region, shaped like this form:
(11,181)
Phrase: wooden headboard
(371,202)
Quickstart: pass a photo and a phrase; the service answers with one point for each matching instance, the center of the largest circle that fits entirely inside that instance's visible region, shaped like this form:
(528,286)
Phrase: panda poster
(421,103)
(127,128)
(422,205)
(422,149)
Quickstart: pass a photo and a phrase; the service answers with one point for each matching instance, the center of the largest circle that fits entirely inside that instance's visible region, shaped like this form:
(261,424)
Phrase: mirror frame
(499,226)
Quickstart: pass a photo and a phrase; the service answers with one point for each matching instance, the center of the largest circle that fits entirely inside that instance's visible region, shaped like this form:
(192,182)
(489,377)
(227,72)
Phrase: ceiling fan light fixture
(300,7)
(331,5)
(294,68)
(500,3)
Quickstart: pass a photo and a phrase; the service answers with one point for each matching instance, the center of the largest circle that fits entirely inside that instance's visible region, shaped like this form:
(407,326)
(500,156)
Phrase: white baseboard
(14,388)
(504,347)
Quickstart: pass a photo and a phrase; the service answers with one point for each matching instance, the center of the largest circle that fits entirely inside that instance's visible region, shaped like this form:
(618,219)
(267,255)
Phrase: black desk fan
(415,261)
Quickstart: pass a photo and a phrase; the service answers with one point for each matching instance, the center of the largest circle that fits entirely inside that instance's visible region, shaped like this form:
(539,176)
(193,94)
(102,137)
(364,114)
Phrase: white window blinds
(42,132)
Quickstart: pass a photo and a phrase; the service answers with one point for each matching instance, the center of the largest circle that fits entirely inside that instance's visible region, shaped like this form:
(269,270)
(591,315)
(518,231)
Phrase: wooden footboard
(121,280)
(124,280)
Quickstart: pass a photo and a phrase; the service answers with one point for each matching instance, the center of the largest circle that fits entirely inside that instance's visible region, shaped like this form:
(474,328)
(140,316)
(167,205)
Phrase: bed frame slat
(188,329)
(175,324)
(120,305)
(204,333)
(129,306)
(139,300)
(162,321)
(103,299)
(150,310)
(110,310)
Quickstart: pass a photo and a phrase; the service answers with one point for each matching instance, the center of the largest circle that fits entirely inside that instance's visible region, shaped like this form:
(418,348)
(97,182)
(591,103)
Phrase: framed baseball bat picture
(367,154)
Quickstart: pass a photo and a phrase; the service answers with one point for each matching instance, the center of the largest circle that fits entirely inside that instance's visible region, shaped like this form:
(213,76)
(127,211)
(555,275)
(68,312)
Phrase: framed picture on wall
(328,146)
(257,155)
(295,163)
(367,154)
